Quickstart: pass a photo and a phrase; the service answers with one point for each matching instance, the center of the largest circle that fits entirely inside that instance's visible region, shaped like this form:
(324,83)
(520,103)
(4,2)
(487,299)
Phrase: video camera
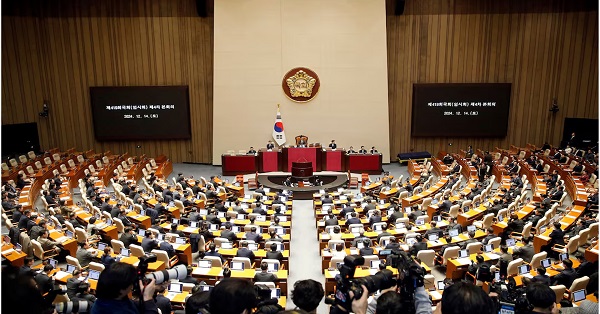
(510,297)
(177,272)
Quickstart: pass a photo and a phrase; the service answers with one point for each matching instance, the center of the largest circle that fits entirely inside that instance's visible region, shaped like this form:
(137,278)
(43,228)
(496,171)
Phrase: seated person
(264,275)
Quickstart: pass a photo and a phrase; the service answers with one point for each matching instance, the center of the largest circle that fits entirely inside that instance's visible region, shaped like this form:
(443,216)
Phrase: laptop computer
(261,218)
(175,221)
(94,274)
(378,227)
(410,241)
(160,237)
(174,289)
(236,229)
(221,214)
(542,229)
(273,267)
(227,245)
(488,248)
(463,253)
(205,263)
(441,285)
(253,246)
(101,246)
(579,295)
(275,293)
(203,212)
(453,232)
(523,269)
(280,231)
(143,212)
(237,266)
(194,224)
(420,222)
(124,252)
(142,232)
(471,228)
(180,240)
(510,242)
(375,264)
(433,237)
(240,217)
(546,263)
(213,227)
(385,252)
(69,234)
(282,218)
(206,287)
(563,257)
(70,268)
(437,218)
(53,262)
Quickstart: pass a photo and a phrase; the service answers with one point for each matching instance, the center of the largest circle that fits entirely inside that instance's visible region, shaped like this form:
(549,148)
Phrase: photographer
(112,291)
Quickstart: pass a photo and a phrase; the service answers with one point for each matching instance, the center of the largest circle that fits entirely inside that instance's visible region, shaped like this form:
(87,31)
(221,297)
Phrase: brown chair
(301,138)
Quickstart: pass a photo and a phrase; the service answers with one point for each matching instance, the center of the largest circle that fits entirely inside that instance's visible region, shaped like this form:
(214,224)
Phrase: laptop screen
(463,253)
(497,276)
(180,240)
(221,214)
(400,225)
(261,218)
(471,228)
(546,263)
(488,248)
(205,263)
(563,257)
(53,262)
(194,224)
(161,237)
(206,288)
(175,221)
(142,232)
(101,246)
(579,295)
(94,274)
(175,287)
(241,217)
(69,234)
(235,229)
(453,232)
(70,268)
(385,252)
(510,242)
(143,212)
(542,230)
(441,285)
(411,241)
(280,231)
(375,264)
(523,269)
(18,247)
(124,252)
(213,227)
(378,227)
(226,245)
(275,293)
(433,237)
(282,218)
(273,267)
(420,222)
(360,245)
(437,218)
(252,246)
(237,266)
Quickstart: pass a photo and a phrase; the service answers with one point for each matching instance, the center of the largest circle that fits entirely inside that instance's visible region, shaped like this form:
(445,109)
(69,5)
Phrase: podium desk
(238,164)
(293,154)
(367,163)
(333,160)
(269,161)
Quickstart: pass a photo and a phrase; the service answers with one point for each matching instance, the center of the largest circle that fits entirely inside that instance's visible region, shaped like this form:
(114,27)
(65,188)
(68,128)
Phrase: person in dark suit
(541,276)
(253,235)
(578,169)
(251,151)
(44,282)
(244,251)
(384,233)
(274,254)
(351,150)
(366,249)
(374,150)
(421,244)
(352,220)
(148,242)
(212,251)
(585,268)
(434,230)
(452,224)
(195,216)
(375,218)
(264,275)
(326,199)
(526,251)
(362,150)
(557,235)
(302,142)
(393,245)
(331,220)
(567,276)
(24,219)
(106,259)
(416,212)
(270,145)
(395,216)
(332,145)
(167,247)
(360,238)
(189,278)
(445,205)
(558,194)
(471,239)
(228,234)
(128,237)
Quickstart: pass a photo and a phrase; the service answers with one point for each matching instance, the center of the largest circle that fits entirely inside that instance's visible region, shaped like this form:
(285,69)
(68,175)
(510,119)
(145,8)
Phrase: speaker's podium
(306,154)
(302,169)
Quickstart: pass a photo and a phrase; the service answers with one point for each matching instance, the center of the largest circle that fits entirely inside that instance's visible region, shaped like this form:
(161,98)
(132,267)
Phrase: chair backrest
(513,266)
(80,159)
(96,266)
(38,251)
(427,257)
(559,291)
(495,242)
(488,219)
(215,260)
(163,257)
(266,283)
(23,159)
(272,261)
(136,250)
(38,165)
(245,260)
(351,227)
(502,213)
(119,224)
(130,161)
(71,163)
(13,162)
(403,194)
(31,154)
(450,252)
(47,161)
(369,258)
(73,261)
(453,211)
(179,204)
(335,260)
(593,230)
(527,230)
(583,236)
(536,260)
(579,283)
(475,247)
(219,241)
(573,244)
(117,245)
(81,235)
(379,226)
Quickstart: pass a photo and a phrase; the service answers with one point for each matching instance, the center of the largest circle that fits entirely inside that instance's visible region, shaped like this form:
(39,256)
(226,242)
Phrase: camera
(510,296)
(345,281)
(73,307)
(177,272)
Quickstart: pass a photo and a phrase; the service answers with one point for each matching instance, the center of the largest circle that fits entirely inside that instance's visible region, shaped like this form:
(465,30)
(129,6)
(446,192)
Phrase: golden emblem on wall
(301,84)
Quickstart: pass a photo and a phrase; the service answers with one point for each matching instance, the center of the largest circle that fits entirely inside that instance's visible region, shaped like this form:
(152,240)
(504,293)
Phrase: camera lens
(380,281)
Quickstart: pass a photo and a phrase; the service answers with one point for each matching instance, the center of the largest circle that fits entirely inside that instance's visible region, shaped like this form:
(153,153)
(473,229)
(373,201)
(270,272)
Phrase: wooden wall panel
(546,49)
(56,51)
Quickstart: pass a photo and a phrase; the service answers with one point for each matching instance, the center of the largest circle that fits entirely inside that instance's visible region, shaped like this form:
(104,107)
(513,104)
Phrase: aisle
(305,260)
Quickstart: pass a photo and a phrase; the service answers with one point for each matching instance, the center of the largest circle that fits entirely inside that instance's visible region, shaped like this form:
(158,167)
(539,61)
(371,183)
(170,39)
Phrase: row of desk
(281,160)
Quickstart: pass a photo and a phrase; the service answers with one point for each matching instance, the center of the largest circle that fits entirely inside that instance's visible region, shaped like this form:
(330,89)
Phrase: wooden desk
(211,275)
(457,267)
(567,221)
(69,245)
(591,253)
(15,258)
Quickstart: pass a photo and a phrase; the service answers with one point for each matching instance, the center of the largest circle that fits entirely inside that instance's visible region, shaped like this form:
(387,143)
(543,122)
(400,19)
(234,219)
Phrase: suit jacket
(586,269)
(245,252)
(565,277)
(374,219)
(253,236)
(394,216)
(167,247)
(149,244)
(418,247)
(331,222)
(128,239)
(44,282)
(366,251)
(275,255)
(264,277)
(351,221)
(229,235)
(84,256)
(557,237)
(216,254)
(72,284)
(360,239)
(545,279)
